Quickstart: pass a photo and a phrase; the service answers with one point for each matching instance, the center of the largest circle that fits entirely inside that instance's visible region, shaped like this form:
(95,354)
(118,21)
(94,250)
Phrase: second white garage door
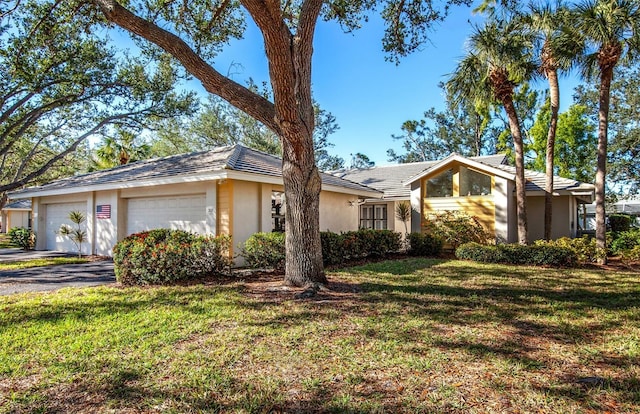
(57,215)
(176,212)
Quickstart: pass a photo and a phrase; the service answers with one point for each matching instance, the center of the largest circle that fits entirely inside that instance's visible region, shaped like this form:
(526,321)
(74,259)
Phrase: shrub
(265,250)
(164,256)
(538,255)
(22,237)
(422,244)
(625,240)
(619,222)
(457,227)
(268,250)
(631,255)
(584,247)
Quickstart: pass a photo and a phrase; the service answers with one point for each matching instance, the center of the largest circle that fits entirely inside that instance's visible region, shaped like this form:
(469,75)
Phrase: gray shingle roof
(235,158)
(19,205)
(390,179)
(536,181)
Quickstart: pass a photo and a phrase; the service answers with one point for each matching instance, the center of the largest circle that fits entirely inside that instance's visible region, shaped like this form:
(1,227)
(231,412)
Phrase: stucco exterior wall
(338,212)
(105,230)
(246,211)
(15,218)
(562,217)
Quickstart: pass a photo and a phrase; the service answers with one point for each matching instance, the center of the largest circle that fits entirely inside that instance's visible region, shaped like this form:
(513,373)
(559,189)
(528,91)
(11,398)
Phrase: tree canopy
(60,85)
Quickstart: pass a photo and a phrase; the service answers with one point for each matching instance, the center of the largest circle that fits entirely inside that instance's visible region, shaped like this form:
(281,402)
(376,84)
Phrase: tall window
(441,185)
(373,217)
(278,207)
(474,183)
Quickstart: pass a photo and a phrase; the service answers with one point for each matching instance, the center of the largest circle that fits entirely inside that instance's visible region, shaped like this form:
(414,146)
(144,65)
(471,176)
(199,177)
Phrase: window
(278,207)
(474,183)
(373,217)
(441,185)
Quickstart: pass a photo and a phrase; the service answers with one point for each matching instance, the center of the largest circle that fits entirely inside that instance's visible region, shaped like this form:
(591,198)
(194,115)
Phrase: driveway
(46,278)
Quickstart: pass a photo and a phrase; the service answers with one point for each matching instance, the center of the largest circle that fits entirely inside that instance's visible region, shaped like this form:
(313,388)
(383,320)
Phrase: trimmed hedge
(164,256)
(619,222)
(268,249)
(584,247)
(22,237)
(625,241)
(264,250)
(517,254)
(422,244)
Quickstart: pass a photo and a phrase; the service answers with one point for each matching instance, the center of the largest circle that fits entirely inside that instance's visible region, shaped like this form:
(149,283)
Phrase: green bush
(625,240)
(164,256)
(538,255)
(268,250)
(457,227)
(22,237)
(631,255)
(619,222)
(264,250)
(422,244)
(584,247)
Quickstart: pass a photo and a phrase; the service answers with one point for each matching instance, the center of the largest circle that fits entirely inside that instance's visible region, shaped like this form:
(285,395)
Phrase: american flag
(103,211)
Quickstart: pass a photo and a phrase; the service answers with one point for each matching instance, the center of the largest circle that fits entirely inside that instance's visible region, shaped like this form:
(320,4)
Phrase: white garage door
(57,215)
(175,212)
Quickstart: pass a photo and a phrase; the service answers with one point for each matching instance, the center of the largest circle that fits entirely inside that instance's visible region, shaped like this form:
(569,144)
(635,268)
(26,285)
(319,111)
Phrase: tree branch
(215,83)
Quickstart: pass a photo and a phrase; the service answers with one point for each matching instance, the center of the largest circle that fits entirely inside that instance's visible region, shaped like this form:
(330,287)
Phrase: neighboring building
(481,186)
(229,190)
(629,205)
(238,191)
(15,214)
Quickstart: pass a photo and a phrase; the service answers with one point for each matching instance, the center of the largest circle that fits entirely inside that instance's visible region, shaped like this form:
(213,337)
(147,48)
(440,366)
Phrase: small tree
(77,235)
(403,213)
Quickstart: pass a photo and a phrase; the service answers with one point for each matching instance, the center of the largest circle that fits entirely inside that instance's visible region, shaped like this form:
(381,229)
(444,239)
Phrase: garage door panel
(57,215)
(177,213)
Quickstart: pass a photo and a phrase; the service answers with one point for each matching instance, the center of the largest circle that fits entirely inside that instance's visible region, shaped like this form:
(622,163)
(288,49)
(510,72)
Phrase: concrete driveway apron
(47,278)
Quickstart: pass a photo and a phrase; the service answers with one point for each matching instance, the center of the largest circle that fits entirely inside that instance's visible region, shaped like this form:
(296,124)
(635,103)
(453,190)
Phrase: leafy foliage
(457,227)
(61,83)
(619,222)
(625,241)
(164,256)
(584,247)
(22,237)
(537,255)
(78,235)
(265,250)
(268,249)
(423,244)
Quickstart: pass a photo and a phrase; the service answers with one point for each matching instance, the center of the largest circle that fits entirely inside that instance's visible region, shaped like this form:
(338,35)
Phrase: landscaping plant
(457,227)
(163,256)
(78,235)
(22,237)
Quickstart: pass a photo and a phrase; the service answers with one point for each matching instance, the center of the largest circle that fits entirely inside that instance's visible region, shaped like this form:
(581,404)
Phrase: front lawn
(51,261)
(408,336)
(5,242)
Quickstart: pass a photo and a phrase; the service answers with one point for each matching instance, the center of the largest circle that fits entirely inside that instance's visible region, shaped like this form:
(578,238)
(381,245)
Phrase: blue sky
(369,96)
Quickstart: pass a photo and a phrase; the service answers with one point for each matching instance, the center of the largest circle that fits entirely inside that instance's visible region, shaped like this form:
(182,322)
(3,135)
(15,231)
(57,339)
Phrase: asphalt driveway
(46,278)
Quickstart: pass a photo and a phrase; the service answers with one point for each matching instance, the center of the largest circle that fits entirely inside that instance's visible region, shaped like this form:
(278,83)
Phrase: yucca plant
(77,235)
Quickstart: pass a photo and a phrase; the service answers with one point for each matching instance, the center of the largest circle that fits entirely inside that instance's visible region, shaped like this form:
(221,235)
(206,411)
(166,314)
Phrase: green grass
(5,243)
(25,264)
(402,336)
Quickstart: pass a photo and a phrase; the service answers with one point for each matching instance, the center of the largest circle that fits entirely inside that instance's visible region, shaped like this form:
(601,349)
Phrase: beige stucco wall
(338,212)
(246,211)
(562,217)
(16,218)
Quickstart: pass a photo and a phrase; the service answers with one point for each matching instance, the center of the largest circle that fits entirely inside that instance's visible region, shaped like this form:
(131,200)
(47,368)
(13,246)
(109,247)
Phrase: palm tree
(120,150)
(498,60)
(610,30)
(556,47)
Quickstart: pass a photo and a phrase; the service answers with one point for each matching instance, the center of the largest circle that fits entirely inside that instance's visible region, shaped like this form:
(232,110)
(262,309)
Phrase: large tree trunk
(291,114)
(521,196)
(606,76)
(554,96)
